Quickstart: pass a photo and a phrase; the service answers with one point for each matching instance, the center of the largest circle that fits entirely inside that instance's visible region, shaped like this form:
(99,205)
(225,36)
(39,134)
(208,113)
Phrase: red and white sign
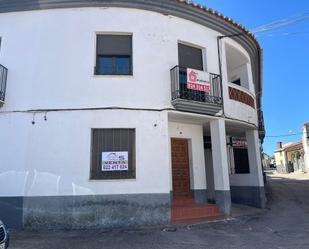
(239,142)
(198,80)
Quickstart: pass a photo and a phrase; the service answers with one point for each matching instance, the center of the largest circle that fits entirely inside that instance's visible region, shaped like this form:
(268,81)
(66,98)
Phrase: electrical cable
(283,34)
(285,135)
(281,23)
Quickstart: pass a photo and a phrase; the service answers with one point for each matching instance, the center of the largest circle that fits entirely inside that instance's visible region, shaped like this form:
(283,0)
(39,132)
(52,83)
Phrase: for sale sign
(239,142)
(198,80)
(115,161)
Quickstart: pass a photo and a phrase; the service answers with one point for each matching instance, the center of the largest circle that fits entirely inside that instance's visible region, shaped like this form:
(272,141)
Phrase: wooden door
(180,168)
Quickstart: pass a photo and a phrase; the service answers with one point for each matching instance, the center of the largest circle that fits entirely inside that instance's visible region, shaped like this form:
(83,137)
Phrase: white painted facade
(50,55)
(305,141)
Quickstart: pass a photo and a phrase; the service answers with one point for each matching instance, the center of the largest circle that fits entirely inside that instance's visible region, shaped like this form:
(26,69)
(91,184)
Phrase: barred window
(113,154)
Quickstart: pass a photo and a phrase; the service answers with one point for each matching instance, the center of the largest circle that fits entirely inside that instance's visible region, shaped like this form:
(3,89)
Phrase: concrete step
(183,201)
(182,214)
(198,220)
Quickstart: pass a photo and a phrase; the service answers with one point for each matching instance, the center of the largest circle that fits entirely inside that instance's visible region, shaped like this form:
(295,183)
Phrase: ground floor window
(113,154)
(241,161)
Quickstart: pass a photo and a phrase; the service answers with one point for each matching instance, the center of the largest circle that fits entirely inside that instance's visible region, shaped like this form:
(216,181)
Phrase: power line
(282,22)
(286,135)
(283,34)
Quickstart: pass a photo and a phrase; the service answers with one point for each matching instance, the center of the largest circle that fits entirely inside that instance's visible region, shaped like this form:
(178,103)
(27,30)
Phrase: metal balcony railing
(186,99)
(262,132)
(3,77)
(180,90)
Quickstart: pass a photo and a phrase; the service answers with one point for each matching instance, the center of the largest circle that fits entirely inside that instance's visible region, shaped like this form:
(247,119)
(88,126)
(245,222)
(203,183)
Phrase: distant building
(289,157)
(268,161)
(305,141)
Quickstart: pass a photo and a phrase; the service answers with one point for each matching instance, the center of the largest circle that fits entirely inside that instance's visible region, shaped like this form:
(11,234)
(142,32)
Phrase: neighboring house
(267,161)
(101,125)
(305,140)
(290,157)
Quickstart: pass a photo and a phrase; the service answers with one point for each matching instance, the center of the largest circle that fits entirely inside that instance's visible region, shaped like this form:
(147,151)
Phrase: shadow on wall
(21,183)
(80,209)
(19,189)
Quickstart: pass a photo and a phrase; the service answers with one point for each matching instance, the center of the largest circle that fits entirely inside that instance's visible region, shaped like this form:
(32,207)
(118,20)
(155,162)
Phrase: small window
(113,154)
(241,161)
(237,82)
(114,55)
(190,57)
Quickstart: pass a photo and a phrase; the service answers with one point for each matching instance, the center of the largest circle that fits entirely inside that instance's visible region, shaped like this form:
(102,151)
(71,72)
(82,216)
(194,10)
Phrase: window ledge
(113,76)
(112,180)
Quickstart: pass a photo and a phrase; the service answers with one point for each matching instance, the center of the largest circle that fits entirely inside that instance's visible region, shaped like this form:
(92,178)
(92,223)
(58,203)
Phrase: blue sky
(286,62)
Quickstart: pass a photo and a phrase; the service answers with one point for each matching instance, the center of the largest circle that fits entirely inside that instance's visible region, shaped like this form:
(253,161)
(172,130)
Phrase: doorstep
(187,211)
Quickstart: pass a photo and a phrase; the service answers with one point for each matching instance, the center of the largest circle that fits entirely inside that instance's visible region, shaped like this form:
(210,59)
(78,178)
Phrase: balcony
(206,100)
(3,77)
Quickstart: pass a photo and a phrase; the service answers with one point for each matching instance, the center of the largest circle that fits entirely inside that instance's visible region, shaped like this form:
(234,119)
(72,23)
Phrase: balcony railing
(3,77)
(262,132)
(186,99)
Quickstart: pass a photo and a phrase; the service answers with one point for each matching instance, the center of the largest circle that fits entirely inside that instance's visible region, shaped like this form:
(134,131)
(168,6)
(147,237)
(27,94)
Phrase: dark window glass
(241,161)
(190,57)
(114,55)
(237,82)
(111,141)
(117,65)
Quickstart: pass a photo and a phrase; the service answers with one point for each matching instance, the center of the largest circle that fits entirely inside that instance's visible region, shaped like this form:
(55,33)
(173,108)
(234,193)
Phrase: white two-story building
(125,113)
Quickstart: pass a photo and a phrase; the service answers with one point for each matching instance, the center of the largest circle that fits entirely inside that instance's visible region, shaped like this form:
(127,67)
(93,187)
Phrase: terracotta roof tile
(227,19)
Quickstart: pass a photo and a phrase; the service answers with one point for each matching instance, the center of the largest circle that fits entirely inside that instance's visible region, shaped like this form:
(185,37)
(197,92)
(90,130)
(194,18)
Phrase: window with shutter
(114,55)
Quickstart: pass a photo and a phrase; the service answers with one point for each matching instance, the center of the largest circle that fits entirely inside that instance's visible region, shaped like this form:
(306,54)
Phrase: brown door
(180,168)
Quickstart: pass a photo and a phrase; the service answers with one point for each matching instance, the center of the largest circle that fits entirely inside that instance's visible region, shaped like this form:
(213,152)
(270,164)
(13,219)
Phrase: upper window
(190,57)
(114,55)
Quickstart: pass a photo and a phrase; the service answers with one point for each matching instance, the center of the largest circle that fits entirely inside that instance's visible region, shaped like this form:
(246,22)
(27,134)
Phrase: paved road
(284,224)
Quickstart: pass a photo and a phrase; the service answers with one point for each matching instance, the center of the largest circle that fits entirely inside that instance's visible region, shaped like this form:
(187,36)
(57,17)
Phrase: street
(284,224)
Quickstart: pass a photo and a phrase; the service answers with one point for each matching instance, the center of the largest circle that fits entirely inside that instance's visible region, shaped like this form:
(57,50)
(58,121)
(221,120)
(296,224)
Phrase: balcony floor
(196,107)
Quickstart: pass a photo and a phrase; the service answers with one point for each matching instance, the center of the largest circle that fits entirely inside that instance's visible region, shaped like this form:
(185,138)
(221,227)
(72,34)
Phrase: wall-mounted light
(33,119)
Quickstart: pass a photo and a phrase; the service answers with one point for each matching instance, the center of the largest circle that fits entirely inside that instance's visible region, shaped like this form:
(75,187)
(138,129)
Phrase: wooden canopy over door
(180,168)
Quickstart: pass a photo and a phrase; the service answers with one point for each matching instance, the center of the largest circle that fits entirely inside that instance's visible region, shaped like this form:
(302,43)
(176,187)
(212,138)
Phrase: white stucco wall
(305,141)
(255,177)
(50,55)
(52,65)
(232,108)
(194,133)
(240,73)
(54,155)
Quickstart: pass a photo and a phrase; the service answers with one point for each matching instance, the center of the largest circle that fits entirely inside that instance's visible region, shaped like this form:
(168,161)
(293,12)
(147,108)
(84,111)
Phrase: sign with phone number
(115,161)
(198,80)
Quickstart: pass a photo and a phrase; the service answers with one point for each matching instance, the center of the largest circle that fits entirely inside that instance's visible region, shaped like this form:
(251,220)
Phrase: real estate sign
(198,80)
(115,161)
(239,142)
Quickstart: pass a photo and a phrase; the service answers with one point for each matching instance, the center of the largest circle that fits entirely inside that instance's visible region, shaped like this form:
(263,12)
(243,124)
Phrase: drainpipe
(219,38)
(220,72)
